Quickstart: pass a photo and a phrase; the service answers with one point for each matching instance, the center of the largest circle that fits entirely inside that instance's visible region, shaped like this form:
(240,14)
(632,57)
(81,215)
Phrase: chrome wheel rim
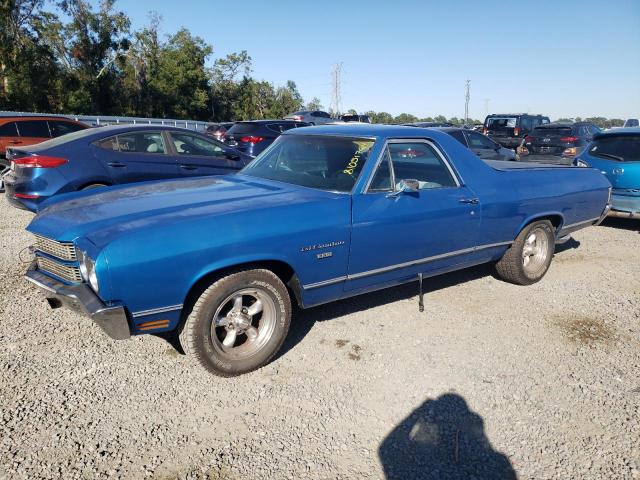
(243,323)
(535,251)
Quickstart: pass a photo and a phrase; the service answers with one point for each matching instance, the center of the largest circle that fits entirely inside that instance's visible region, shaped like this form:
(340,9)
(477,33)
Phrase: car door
(484,147)
(32,132)
(136,156)
(196,156)
(396,235)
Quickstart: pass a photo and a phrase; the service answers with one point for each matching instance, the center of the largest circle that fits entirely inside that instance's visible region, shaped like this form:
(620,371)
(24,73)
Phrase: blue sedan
(616,153)
(324,213)
(113,155)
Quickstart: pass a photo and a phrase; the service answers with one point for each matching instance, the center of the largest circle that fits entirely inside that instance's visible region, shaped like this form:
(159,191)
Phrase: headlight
(88,270)
(580,163)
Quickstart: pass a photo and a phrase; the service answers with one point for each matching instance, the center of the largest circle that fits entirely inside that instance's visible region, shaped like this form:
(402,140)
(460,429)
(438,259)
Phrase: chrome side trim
(324,283)
(411,263)
(152,311)
(584,222)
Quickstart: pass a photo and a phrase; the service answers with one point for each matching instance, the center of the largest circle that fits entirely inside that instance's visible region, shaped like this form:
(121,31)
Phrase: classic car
(324,213)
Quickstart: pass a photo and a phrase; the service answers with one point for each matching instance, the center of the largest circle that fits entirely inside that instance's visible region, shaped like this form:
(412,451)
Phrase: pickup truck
(324,213)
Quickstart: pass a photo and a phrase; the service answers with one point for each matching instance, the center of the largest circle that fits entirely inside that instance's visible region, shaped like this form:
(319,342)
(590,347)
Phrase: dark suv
(252,137)
(509,129)
(557,142)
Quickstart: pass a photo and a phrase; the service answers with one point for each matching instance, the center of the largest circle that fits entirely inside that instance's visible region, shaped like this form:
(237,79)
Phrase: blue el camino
(323,214)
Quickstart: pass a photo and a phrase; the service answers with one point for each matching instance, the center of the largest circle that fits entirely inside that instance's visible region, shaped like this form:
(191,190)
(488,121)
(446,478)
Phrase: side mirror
(409,185)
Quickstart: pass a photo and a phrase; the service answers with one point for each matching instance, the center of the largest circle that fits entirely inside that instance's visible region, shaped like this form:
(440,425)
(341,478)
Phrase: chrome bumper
(622,214)
(80,298)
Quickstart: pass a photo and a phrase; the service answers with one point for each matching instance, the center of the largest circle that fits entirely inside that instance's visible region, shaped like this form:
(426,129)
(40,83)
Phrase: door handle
(469,201)
(188,167)
(117,164)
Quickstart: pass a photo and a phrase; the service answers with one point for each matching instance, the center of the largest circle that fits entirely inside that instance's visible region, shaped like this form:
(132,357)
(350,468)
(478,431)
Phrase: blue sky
(560,58)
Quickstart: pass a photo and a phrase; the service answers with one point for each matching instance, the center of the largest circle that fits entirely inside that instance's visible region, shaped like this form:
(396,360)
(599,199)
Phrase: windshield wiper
(609,155)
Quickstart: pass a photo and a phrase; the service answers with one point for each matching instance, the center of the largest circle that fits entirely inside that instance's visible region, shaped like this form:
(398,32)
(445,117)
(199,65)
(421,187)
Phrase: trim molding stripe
(153,311)
(411,263)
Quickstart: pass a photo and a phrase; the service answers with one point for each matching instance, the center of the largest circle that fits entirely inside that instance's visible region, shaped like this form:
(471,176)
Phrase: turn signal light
(39,161)
(251,139)
(570,151)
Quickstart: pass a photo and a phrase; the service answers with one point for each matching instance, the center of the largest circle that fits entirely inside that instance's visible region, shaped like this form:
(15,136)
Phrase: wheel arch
(556,219)
(282,269)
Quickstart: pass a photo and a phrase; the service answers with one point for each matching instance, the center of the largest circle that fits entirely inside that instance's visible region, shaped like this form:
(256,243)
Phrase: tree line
(67,56)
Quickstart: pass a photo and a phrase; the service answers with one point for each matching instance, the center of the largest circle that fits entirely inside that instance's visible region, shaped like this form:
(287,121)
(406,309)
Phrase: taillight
(568,139)
(25,195)
(516,131)
(251,139)
(298,118)
(39,161)
(485,130)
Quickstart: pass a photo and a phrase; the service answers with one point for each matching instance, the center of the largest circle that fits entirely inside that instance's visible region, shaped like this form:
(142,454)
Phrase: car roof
(273,120)
(14,118)
(366,130)
(618,131)
(516,115)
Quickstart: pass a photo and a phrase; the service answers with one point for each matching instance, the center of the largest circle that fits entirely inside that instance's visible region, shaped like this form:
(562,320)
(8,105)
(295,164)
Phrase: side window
(526,123)
(458,135)
(141,142)
(480,141)
(415,161)
(33,128)
(110,143)
(187,144)
(280,127)
(545,120)
(381,181)
(595,130)
(8,130)
(59,128)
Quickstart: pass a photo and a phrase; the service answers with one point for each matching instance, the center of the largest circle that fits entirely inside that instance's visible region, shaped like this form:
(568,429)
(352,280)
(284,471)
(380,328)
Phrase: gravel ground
(492,381)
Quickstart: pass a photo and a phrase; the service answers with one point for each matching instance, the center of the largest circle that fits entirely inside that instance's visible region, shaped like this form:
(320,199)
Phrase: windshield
(501,122)
(624,148)
(560,131)
(326,163)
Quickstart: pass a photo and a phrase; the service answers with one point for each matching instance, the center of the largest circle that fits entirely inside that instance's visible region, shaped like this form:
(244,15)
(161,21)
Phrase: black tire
(515,268)
(199,338)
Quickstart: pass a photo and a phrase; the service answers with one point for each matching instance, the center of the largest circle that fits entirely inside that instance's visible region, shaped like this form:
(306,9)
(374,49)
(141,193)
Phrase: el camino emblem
(318,246)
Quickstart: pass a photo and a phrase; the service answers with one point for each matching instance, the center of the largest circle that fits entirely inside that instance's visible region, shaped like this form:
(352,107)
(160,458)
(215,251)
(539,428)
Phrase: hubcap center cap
(240,320)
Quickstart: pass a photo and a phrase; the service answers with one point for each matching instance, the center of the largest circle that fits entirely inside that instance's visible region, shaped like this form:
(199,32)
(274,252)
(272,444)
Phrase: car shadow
(568,245)
(303,320)
(442,439)
(630,224)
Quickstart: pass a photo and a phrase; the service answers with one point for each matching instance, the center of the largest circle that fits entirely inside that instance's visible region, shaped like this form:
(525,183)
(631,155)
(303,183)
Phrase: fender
(550,215)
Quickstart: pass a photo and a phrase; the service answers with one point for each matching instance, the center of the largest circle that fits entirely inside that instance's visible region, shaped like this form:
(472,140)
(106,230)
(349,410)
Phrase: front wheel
(239,323)
(529,256)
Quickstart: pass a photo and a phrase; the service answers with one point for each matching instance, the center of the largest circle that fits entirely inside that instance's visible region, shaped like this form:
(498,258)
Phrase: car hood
(103,215)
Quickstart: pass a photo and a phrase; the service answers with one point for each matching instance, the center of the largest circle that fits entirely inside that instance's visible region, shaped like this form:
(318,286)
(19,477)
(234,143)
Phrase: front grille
(66,272)
(61,250)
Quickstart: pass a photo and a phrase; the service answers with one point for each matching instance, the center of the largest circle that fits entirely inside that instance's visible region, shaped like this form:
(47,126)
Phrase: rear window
(622,148)
(59,127)
(8,130)
(501,122)
(280,127)
(33,128)
(243,128)
(559,131)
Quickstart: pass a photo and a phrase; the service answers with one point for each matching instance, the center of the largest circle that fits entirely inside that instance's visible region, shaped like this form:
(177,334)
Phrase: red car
(22,131)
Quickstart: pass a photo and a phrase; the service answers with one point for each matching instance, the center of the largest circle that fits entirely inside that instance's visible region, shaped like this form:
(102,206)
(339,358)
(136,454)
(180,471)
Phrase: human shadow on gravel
(303,320)
(442,439)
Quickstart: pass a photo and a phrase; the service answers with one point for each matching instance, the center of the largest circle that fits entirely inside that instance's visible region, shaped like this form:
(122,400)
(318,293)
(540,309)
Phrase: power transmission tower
(466,102)
(336,86)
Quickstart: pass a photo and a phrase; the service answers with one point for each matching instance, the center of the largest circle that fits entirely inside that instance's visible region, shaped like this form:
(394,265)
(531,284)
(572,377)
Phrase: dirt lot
(493,379)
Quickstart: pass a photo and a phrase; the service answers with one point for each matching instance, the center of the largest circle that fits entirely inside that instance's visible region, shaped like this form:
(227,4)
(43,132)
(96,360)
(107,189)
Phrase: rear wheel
(238,323)
(529,257)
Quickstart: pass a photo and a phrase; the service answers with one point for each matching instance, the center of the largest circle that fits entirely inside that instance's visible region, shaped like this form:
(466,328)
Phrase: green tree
(314,104)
